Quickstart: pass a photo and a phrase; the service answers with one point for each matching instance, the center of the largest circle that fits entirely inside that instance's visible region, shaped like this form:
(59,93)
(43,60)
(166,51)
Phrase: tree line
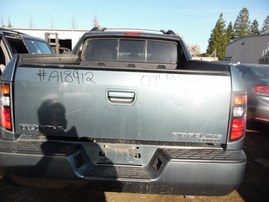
(242,27)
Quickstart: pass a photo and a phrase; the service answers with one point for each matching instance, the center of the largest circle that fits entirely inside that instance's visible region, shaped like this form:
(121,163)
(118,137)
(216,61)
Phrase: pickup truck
(13,42)
(127,111)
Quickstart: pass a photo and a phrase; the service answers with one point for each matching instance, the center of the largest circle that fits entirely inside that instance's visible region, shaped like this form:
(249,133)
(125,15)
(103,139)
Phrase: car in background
(13,42)
(256,80)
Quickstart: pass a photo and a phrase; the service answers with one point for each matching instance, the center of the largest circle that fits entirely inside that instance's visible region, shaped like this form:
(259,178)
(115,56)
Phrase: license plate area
(119,154)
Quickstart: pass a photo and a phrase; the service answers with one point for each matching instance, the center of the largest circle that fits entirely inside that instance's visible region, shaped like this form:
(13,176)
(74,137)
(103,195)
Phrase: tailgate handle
(121,97)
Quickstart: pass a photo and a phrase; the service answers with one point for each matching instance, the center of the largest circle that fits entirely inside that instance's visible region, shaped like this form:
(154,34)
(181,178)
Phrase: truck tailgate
(131,105)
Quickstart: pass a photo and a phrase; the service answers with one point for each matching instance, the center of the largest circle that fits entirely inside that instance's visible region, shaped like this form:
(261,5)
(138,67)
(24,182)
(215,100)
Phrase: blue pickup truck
(127,111)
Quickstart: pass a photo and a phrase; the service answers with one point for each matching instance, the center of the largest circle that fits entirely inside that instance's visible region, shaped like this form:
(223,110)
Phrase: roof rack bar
(9,31)
(132,29)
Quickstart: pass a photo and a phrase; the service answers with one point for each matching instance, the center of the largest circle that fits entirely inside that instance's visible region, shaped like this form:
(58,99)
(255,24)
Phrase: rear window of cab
(134,50)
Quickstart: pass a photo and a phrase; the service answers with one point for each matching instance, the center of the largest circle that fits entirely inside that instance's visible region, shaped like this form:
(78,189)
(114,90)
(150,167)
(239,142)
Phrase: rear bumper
(169,170)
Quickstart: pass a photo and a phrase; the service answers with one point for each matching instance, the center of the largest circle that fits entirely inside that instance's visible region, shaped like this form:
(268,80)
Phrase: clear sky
(193,20)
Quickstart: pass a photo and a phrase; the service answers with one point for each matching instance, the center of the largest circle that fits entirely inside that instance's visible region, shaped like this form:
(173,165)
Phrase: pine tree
(230,32)
(9,25)
(31,22)
(2,21)
(218,40)
(95,22)
(74,23)
(265,28)
(254,29)
(242,24)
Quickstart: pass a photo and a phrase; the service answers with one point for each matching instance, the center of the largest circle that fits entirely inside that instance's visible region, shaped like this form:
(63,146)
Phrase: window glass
(2,56)
(261,72)
(102,49)
(17,46)
(249,77)
(162,52)
(37,47)
(132,50)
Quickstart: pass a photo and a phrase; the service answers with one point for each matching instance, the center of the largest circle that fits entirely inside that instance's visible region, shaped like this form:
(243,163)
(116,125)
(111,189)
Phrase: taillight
(261,90)
(238,121)
(5,107)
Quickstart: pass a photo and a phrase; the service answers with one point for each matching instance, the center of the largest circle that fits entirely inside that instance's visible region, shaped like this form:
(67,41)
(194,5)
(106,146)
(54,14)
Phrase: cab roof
(132,32)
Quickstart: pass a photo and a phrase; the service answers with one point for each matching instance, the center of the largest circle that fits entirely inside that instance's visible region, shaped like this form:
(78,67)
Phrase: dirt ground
(255,186)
